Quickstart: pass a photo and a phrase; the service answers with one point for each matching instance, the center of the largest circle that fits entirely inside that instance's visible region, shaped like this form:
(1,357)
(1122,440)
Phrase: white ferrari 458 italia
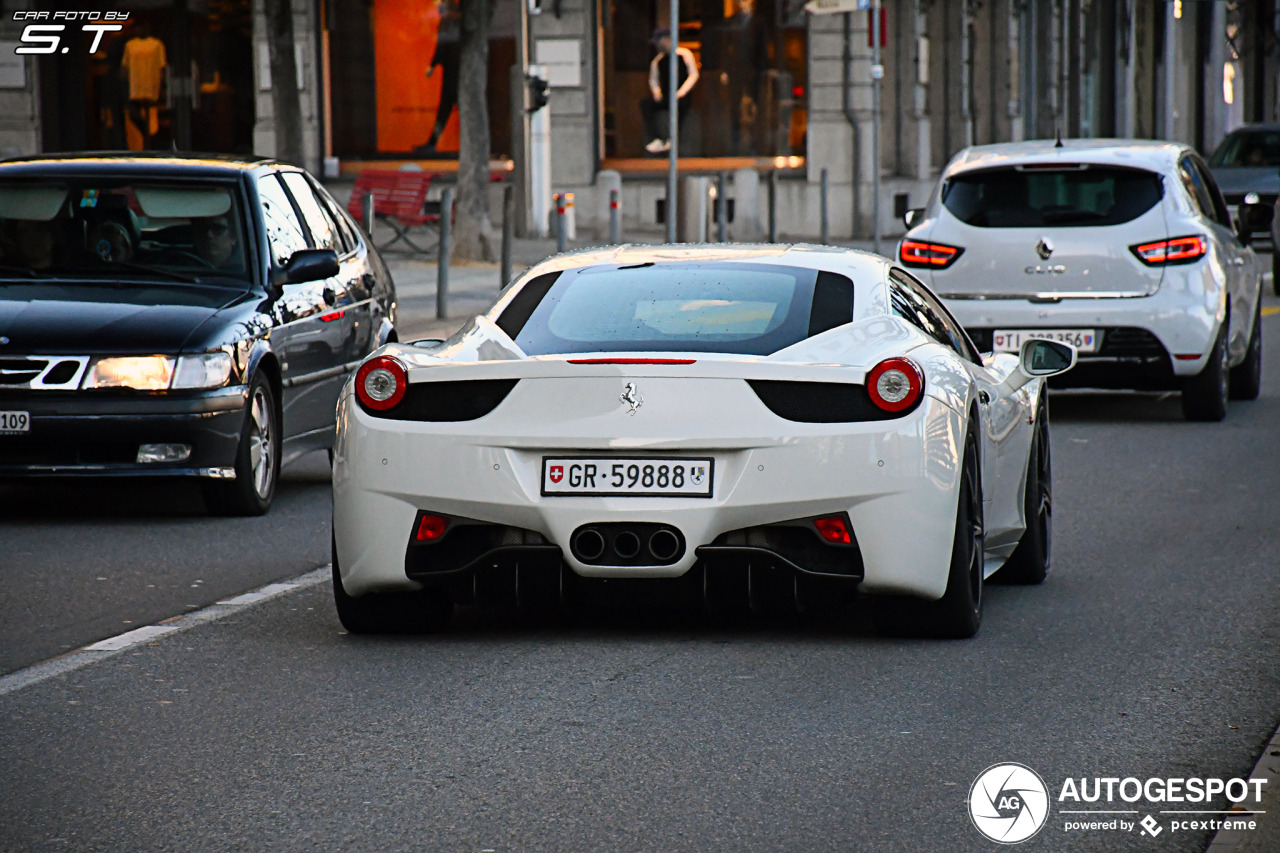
(779,426)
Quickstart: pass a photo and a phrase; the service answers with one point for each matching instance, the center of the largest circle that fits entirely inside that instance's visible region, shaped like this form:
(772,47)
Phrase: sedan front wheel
(257,464)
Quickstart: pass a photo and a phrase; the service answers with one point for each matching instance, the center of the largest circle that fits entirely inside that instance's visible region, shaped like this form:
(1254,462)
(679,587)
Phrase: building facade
(777,89)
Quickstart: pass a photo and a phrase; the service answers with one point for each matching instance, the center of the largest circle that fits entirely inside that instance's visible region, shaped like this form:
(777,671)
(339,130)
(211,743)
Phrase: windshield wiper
(147,268)
(24,270)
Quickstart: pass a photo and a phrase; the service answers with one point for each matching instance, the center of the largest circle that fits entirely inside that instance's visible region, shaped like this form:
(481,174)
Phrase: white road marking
(112,646)
(130,638)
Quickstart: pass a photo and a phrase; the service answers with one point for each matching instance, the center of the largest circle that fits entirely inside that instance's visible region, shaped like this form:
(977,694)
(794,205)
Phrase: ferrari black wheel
(421,612)
(958,614)
(1029,564)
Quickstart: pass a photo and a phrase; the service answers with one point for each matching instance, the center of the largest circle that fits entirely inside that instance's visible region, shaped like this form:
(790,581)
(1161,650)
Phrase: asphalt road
(83,560)
(1149,652)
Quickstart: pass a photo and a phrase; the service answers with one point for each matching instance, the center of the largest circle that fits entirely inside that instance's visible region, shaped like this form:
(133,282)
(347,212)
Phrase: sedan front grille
(42,373)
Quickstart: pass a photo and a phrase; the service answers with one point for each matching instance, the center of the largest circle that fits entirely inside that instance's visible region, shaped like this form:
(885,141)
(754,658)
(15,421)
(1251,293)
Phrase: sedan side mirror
(1037,359)
(310,265)
(913,217)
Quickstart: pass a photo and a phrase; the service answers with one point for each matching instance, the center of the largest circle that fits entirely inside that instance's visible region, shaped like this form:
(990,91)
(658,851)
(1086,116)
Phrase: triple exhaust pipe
(627,544)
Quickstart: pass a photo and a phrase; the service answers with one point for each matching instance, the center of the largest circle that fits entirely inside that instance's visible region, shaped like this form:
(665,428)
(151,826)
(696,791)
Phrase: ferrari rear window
(752,309)
(1035,196)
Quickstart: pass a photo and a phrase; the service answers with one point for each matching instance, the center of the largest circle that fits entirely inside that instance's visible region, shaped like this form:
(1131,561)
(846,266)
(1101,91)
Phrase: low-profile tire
(1029,563)
(1246,377)
(1204,396)
(958,614)
(257,463)
(422,612)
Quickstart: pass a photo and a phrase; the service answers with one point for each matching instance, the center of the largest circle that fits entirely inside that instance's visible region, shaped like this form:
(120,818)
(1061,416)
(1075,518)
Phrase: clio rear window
(1033,196)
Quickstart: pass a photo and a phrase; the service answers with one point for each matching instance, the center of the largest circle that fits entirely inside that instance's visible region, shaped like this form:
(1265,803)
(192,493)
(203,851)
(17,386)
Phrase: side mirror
(310,265)
(1253,217)
(427,343)
(913,217)
(1038,358)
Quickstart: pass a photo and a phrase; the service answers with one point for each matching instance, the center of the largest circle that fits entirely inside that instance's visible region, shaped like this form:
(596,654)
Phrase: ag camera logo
(1009,803)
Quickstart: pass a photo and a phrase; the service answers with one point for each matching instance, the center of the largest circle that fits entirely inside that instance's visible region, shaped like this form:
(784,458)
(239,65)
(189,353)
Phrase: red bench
(399,199)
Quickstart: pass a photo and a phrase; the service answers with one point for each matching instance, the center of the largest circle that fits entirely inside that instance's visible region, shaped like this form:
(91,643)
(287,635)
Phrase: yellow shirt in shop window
(144,60)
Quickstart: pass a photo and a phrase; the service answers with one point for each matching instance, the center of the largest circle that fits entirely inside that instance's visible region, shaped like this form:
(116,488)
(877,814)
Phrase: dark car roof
(1255,128)
(168,163)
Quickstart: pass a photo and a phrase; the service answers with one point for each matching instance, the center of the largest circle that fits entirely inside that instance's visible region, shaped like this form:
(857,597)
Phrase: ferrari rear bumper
(896,480)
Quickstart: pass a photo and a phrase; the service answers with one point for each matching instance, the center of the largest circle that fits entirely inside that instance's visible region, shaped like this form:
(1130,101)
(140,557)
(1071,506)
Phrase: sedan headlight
(161,372)
(141,372)
(208,370)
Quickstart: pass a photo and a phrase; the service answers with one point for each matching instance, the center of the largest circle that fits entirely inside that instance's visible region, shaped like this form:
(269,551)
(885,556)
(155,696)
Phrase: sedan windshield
(754,309)
(122,228)
(1246,149)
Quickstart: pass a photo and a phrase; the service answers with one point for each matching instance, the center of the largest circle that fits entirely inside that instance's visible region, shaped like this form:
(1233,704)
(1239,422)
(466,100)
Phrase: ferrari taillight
(895,384)
(1179,250)
(834,529)
(381,383)
(430,527)
(914,253)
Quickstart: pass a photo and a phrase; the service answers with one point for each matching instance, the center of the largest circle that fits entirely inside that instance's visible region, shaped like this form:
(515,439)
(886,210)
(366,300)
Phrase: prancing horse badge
(632,397)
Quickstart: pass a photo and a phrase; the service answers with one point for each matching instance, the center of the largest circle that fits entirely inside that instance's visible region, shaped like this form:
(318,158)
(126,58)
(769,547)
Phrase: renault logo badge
(1044,248)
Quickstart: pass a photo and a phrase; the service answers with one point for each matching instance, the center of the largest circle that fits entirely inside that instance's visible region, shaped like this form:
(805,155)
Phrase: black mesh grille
(23,450)
(20,371)
(464,542)
(1117,342)
(798,542)
(63,372)
(819,402)
(464,400)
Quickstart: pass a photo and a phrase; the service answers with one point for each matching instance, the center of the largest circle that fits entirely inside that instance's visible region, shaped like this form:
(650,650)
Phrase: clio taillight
(1179,250)
(916,253)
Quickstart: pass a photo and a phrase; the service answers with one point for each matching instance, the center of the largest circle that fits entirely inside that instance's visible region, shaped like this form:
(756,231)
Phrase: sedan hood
(68,318)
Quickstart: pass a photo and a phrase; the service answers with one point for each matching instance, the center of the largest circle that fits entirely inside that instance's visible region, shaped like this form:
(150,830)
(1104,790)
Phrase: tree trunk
(473,235)
(286,104)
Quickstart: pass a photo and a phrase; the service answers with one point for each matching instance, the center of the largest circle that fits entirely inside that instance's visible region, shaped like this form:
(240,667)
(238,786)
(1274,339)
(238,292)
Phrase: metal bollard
(508,232)
(560,235)
(825,234)
(722,208)
(366,213)
(773,206)
(442,259)
(615,214)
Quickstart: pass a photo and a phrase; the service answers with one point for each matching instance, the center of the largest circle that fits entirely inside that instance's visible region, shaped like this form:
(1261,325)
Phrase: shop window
(749,95)
(394,77)
(120,97)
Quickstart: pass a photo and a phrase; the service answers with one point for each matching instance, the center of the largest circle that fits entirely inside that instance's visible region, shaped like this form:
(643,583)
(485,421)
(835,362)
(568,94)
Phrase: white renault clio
(1124,249)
